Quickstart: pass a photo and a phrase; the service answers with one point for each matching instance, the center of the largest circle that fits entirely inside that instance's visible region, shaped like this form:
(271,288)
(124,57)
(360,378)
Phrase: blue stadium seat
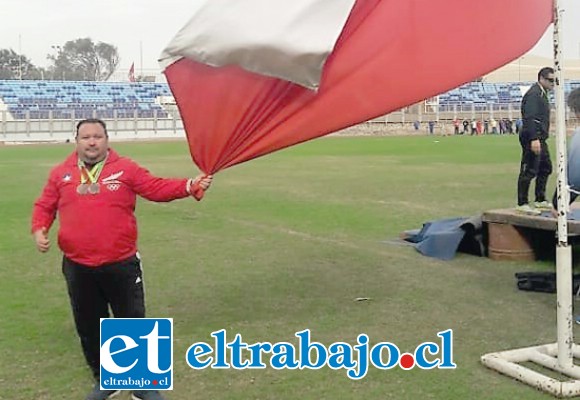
(83,98)
(104,98)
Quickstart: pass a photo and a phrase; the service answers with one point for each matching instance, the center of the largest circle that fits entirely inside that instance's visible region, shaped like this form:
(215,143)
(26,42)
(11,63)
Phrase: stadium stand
(38,100)
(483,95)
(68,99)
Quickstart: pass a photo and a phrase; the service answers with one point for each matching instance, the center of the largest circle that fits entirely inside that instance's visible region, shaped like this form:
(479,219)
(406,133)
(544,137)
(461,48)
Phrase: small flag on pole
(132,73)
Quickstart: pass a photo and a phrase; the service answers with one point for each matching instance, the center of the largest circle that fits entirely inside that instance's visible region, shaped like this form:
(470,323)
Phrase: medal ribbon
(92,175)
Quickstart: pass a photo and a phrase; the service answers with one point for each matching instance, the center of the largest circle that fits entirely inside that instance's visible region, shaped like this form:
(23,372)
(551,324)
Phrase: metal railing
(169,125)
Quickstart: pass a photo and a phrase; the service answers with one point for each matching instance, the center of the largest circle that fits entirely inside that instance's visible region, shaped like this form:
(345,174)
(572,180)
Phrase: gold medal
(94,188)
(82,188)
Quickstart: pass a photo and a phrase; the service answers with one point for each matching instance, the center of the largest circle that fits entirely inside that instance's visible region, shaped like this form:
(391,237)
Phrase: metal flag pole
(563,249)
(557,356)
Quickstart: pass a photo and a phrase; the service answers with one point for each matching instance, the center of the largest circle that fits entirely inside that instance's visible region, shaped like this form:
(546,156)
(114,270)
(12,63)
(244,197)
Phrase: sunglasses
(551,80)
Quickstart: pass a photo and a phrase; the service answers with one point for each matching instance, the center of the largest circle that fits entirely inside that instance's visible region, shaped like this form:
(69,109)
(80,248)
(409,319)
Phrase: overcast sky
(33,26)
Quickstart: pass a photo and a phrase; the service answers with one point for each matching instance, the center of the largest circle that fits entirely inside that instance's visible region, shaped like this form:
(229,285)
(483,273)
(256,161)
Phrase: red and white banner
(389,54)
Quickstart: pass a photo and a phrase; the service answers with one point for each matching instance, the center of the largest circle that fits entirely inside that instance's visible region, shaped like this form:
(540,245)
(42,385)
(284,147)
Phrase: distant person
(465,126)
(502,126)
(573,153)
(456,126)
(493,126)
(94,193)
(519,124)
(431,127)
(535,161)
(416,125)
(509,126)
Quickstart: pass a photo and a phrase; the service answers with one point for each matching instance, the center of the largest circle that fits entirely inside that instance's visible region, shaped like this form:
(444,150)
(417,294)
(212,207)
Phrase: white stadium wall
(55,130)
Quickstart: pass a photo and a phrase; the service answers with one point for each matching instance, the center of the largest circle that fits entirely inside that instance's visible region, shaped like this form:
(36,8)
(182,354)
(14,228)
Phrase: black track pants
(93,290)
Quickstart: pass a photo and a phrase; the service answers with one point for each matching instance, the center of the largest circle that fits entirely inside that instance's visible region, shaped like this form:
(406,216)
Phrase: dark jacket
(535,115)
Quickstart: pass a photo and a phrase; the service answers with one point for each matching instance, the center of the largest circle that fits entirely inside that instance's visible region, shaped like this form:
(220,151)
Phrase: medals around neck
(83,188)
(89,178)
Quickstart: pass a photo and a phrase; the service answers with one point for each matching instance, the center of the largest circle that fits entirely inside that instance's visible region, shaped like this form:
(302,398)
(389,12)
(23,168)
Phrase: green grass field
(284,243)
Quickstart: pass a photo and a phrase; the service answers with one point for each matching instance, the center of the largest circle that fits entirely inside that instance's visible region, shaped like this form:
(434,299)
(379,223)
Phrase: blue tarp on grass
(443,238)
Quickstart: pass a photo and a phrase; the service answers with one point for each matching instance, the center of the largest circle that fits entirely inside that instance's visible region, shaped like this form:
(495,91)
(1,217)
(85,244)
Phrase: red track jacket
(100,229)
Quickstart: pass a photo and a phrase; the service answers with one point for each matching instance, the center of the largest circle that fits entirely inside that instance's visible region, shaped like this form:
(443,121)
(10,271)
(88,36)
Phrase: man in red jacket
(94,193)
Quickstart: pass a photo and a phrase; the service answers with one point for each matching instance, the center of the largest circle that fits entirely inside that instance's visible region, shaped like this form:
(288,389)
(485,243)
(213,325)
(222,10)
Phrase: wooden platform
(515,236)
(511,217)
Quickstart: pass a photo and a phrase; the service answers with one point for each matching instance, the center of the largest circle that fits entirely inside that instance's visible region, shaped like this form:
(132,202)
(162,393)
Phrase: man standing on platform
(535,162)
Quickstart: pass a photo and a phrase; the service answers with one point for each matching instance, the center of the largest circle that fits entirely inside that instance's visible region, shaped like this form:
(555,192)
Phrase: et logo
(136,353)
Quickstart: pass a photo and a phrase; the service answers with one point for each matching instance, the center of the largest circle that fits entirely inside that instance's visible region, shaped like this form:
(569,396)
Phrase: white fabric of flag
(286,39)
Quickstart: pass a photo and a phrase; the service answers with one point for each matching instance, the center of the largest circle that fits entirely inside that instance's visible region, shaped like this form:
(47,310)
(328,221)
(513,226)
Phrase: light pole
(20,57)
(58,50)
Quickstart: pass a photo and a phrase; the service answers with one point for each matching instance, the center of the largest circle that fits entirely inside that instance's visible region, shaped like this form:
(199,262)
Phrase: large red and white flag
(290,40)
(242,71)
(132,73)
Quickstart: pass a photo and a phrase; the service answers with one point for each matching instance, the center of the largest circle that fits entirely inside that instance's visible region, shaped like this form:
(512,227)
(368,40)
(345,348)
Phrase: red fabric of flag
(390,54)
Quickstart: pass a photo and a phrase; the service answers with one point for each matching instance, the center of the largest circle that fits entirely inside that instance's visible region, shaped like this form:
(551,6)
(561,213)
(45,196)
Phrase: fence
(62,130)
(171,126)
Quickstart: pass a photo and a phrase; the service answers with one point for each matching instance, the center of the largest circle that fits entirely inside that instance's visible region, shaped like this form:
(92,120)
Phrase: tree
(84,60)
(17,66)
